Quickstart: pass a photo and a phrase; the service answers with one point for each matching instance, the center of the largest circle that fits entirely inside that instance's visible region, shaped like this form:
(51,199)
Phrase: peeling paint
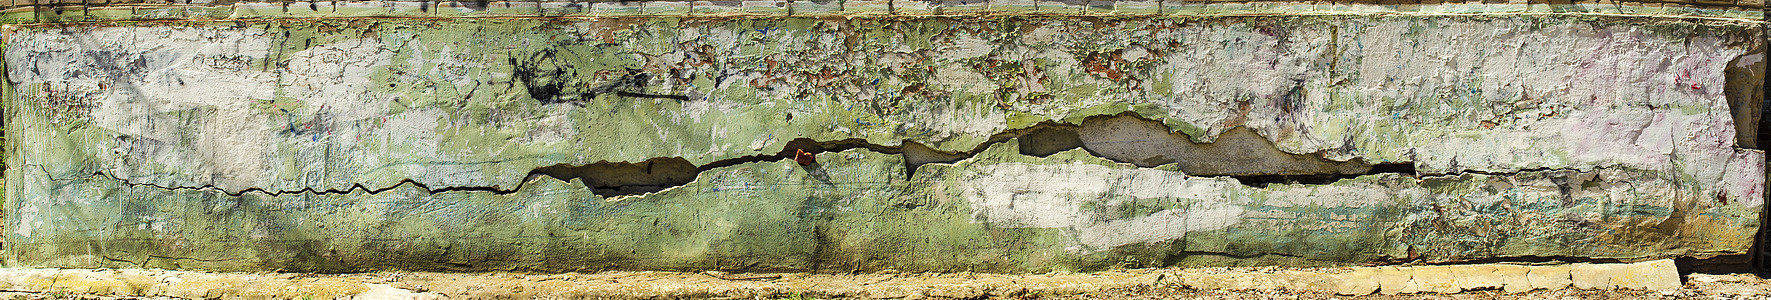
(1009,143)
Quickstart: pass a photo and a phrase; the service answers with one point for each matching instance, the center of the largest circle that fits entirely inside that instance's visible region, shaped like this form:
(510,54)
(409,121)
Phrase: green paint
(478,104)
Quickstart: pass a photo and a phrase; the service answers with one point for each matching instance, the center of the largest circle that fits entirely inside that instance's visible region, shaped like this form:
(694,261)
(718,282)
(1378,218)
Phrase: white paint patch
(1020,195)
(965,46)
(146,82)
(958,77)
(151,85)
(1160,226)
(1746,61)
(1135,53)
(335,77)
(1744,179)
(1351,195)
(27,214)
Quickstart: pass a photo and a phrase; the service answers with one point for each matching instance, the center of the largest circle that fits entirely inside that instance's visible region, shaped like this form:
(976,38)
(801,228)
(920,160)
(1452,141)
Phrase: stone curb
(1653,275)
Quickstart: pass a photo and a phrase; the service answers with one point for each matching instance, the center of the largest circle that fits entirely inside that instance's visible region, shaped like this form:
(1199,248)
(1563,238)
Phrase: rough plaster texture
(350,144)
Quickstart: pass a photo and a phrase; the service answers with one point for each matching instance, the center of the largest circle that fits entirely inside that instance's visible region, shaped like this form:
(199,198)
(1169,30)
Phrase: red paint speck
(1694,86)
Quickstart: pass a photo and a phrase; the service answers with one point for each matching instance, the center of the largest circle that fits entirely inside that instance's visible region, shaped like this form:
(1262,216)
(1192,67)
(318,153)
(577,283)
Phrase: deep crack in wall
(931,143)
(1238,153)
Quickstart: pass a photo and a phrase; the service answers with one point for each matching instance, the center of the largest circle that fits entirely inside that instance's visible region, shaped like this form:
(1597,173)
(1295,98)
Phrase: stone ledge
(1659,275)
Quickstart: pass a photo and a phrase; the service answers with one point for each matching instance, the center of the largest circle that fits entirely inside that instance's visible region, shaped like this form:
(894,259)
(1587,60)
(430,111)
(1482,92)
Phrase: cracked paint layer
(350,144)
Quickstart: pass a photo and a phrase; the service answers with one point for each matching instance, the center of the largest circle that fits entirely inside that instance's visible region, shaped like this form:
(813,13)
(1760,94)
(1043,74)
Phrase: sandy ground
(1697,286)
(1128,284)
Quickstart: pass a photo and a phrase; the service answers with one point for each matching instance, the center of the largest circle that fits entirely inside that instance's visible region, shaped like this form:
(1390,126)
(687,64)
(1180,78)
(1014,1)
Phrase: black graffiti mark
(545,79)
(551,80)
(224,62)
(313,129)
(640,95)
(634,81)
(115,66)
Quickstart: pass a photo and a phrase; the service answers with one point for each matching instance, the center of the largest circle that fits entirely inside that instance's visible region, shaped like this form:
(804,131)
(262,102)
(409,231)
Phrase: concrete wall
(1022,143)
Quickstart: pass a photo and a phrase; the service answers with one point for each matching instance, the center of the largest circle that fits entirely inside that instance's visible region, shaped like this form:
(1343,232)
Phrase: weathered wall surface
(940,143)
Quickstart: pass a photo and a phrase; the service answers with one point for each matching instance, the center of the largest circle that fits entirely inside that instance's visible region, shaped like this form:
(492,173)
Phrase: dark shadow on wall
(1752,84)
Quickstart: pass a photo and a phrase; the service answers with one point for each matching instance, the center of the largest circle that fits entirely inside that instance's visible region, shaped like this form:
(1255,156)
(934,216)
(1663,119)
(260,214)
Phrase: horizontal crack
(1238,153)
(1262,181)
(309,190)
(1128,138)
(312,191)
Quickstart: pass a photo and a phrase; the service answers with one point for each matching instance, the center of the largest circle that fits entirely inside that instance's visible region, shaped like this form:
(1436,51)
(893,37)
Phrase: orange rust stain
(804,158)
(1104,65)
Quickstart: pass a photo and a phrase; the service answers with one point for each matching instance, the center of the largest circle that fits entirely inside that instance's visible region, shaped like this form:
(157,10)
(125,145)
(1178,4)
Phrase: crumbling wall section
(849,141)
